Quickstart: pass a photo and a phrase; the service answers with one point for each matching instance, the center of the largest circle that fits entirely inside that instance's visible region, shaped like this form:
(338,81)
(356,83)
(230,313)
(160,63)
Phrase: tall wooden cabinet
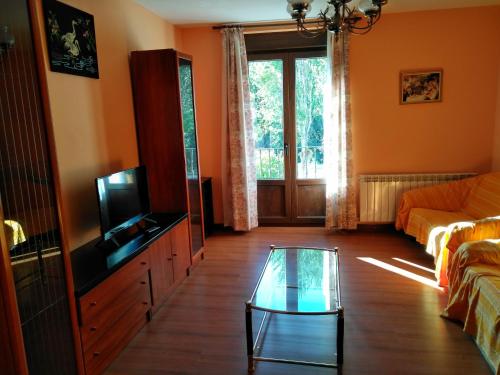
(162,84)
(36,304)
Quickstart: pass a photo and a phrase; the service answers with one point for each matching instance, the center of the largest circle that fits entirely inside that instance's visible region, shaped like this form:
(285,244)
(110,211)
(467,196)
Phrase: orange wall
(94,119)
(496,138)
(454,135)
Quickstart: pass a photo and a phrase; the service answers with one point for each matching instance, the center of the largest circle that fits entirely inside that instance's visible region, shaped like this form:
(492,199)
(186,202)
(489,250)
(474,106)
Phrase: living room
(91,126)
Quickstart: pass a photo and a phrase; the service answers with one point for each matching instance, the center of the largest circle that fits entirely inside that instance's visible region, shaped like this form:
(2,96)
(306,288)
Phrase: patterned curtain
(239,182)
(340,193)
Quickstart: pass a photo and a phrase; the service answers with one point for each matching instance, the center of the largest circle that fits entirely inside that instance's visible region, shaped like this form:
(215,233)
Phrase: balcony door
(287,104)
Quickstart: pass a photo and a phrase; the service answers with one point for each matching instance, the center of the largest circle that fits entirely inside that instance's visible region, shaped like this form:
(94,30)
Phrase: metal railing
(191,163)
(270,162)
(310,161)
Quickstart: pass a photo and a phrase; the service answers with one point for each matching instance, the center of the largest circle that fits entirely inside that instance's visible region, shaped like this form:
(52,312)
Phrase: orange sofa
(474,296)
(443,216)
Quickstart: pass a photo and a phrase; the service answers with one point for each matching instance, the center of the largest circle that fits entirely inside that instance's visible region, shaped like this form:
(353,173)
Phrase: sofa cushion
(484,198)
(422,220)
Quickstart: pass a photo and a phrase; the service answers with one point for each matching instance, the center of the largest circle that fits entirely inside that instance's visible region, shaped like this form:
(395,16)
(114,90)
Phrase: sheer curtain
(340,193)
(239,183)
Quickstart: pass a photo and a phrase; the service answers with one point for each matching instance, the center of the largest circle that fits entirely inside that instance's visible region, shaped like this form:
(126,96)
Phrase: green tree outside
(266,90)
(187,106)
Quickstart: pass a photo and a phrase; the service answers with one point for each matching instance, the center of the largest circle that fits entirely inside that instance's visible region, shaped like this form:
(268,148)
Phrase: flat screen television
(123,199)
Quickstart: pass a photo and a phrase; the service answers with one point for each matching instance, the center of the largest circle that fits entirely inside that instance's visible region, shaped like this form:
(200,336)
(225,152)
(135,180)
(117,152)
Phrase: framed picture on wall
(420,86)
(71,40)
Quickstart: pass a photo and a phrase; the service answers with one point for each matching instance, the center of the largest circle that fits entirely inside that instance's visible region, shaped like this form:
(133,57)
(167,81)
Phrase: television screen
(123,200)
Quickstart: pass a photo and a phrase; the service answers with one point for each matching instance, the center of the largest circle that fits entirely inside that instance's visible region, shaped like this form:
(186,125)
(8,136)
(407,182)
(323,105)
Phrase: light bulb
(369,8)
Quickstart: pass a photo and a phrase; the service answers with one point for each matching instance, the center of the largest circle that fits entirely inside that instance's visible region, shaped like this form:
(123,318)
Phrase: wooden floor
(392,323)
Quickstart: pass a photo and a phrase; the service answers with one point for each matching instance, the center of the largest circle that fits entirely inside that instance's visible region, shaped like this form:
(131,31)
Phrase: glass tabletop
(299,280)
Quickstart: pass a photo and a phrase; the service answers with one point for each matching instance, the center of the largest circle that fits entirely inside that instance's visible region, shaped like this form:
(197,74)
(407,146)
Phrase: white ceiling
(183,12)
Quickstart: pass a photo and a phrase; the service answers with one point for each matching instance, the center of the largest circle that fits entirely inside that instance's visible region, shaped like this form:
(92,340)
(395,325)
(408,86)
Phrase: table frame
(254,348)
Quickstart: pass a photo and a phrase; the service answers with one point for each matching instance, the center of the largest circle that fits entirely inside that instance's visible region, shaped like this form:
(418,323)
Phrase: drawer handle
(93,329)
(96,354)
(93,303)
(145,303)
(144,263)
(143,282)
(174,255)
(169,258)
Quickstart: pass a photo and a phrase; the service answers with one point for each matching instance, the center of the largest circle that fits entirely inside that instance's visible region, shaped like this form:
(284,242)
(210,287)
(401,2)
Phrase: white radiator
(379,195)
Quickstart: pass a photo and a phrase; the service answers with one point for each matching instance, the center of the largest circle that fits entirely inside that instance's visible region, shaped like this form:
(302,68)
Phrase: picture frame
(71,40)
(420,86)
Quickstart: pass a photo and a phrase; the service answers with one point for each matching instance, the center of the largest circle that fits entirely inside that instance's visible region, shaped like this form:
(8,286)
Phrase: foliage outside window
(266,91)
(187,107)
(310,74)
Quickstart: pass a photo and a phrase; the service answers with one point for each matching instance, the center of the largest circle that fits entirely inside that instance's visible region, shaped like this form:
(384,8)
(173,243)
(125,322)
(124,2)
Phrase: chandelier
(337,17)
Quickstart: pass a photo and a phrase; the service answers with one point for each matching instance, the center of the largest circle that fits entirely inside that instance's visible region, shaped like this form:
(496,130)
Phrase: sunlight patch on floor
(402,272)
(415,265)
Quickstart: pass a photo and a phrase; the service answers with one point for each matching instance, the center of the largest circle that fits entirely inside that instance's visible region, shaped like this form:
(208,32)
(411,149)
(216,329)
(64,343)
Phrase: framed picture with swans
(71,40)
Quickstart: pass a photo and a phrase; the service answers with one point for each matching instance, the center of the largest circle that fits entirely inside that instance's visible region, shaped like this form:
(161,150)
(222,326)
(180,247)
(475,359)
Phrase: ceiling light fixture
(337,17)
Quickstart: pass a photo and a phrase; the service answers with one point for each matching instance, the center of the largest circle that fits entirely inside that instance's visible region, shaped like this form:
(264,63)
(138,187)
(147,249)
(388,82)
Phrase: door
(191,153)
(179,237)
(287,91)
(32,263)
(162,274)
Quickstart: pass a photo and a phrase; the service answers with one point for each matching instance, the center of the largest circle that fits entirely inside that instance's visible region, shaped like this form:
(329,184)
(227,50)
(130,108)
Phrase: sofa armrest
(458,233)
(444,197)
(488,228)
(471,253)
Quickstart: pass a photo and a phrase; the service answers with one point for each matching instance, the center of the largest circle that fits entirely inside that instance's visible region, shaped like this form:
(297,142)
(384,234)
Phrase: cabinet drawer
(100,355)
(106,293)
(138,292)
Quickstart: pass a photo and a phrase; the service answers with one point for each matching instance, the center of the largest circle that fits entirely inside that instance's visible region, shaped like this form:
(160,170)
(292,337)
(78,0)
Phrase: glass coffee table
(295,281)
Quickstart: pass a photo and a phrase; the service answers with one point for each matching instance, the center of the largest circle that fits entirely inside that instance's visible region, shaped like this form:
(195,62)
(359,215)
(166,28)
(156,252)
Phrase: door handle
(285,146)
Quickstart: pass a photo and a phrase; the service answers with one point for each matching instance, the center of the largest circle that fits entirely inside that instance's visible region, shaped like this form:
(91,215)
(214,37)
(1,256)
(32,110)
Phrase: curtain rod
(264,24)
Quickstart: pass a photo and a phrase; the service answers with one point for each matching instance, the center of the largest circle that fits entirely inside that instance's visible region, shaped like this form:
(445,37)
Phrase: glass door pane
(188,118)
(310,76)
(266,91)
(191,153)
(30,226)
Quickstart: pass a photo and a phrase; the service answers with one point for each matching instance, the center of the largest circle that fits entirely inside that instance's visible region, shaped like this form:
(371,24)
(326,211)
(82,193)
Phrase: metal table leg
(340,336)
(249,329)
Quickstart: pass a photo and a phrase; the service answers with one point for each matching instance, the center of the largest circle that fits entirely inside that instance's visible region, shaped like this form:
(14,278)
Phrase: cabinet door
(6,355)
(180,250)
(33,261)
(191,153)
(162,274)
